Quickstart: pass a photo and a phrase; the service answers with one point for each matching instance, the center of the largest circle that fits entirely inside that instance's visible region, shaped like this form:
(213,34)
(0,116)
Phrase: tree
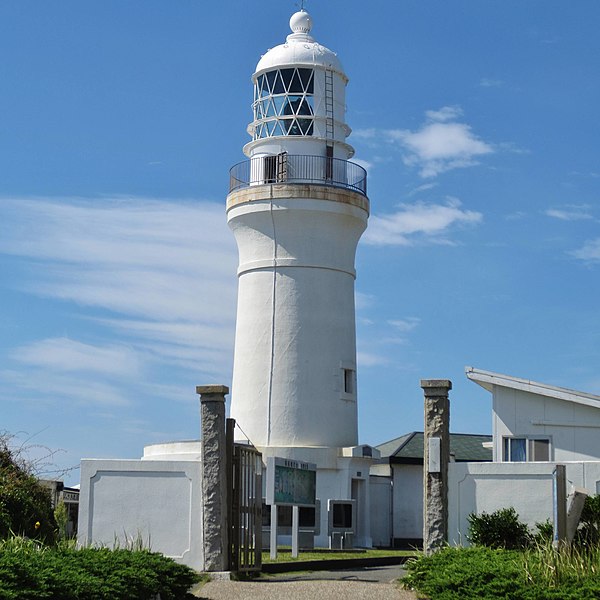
(25,504)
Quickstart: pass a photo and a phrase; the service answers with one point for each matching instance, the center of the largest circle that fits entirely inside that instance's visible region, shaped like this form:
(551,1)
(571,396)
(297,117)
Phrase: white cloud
(446,113)
(370,359)
(159,273)
(441,144)
(422,188)
(66,355)
(44,387)
(589,252)
(420,222)
(488,82)
(405,325)
(571,212)
(363,300)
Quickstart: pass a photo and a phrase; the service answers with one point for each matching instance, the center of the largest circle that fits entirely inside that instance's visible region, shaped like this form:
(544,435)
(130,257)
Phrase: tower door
(275,168)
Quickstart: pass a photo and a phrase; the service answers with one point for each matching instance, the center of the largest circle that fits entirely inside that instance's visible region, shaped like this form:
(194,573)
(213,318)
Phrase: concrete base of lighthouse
(342,474)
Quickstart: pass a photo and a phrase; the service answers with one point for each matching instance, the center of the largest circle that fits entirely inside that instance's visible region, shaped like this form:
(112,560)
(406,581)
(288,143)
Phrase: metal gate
(244,510)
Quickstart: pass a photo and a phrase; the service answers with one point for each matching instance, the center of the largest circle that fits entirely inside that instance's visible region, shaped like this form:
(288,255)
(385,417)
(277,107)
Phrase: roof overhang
(488,380)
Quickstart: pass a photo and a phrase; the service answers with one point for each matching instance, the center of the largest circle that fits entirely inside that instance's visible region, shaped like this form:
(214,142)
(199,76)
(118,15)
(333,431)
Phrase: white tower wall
(295,337)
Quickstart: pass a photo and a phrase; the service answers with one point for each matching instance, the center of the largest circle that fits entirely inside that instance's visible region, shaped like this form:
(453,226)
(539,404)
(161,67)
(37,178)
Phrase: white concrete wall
(573,429)
(527,487)
(408,501)
(381,510)
(157,502)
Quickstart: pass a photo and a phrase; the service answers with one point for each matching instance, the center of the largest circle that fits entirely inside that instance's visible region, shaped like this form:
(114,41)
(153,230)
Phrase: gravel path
(375,583)
(302,590)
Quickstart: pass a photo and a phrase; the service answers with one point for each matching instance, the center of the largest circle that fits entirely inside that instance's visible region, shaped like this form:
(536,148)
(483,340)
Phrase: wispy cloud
(422,188)
(589,252)
(405,325)
(489,82)
(158,275)
(439,145)
(371,359)
(571,212)
(66,355)
(419,223)
(46,387)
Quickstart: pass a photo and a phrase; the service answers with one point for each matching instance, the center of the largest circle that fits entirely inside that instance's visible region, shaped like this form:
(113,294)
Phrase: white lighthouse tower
(297,208)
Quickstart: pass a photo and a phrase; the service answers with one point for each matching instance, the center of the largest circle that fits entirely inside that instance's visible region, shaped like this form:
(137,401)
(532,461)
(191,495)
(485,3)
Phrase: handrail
(298,168)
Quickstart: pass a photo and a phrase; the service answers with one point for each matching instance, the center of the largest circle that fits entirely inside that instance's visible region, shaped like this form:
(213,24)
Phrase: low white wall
(486,487)
(408,501)
(380,489)
(157,502)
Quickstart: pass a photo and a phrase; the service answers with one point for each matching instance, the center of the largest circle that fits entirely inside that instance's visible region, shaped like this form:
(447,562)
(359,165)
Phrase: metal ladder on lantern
(329,126)
(329,104)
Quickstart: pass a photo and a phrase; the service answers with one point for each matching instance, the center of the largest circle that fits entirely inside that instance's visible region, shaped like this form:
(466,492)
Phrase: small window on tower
(348,381)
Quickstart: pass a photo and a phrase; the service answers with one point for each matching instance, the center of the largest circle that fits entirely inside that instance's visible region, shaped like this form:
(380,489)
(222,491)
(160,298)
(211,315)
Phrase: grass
(283,555)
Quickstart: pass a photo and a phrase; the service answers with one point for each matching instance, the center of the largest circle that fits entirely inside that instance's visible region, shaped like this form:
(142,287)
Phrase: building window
(522,449)
(284,103)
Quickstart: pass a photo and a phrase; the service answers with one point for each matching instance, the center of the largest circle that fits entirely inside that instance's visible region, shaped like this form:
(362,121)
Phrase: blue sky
(478,123)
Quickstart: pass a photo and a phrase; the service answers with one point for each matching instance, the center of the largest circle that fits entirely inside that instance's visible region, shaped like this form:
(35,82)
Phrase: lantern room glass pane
(286,75)
(278,87)
(279,102)
(296,86)
(306,76)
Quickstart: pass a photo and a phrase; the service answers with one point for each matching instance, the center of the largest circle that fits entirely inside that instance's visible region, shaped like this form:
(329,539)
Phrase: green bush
(25,506)
(588,533)
(464,573)
(540,573)
(500,529)
(30,570)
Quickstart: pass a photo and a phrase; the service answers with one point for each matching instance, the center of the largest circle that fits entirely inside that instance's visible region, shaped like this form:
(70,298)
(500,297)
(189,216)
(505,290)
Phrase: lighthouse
(297,207)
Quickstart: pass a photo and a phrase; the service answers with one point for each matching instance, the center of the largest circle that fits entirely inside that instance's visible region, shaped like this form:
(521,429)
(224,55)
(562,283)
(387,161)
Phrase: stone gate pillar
(436,457)
(214,476)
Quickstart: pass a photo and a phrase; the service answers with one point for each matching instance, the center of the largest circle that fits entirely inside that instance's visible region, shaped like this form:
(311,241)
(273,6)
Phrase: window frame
(508,440)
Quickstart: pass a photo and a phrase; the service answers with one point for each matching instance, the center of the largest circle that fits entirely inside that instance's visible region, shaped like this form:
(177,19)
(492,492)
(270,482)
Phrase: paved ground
(376,583)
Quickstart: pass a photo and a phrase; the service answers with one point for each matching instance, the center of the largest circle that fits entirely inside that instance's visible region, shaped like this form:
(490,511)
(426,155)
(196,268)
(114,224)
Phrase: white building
(535,426)
(538,422)
(297,208)
(397,485)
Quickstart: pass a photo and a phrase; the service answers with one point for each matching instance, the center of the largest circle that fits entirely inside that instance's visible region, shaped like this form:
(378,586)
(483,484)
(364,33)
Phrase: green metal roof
(408,448)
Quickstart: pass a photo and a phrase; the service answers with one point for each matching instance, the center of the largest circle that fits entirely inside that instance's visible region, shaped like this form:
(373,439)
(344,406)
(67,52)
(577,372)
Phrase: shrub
(545,532)
(500,529)
(539,573)
(30,570)
(588,533)
(465,573)
(25,506)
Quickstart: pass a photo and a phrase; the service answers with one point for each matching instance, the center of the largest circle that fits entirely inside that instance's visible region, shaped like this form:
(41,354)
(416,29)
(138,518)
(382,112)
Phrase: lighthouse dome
(300,48)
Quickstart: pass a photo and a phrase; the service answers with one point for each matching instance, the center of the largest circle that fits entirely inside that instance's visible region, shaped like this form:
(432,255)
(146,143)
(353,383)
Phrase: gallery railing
(298,168)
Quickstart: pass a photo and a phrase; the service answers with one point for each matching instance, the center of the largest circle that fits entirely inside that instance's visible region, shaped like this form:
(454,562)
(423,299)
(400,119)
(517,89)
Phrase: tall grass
(553,566)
